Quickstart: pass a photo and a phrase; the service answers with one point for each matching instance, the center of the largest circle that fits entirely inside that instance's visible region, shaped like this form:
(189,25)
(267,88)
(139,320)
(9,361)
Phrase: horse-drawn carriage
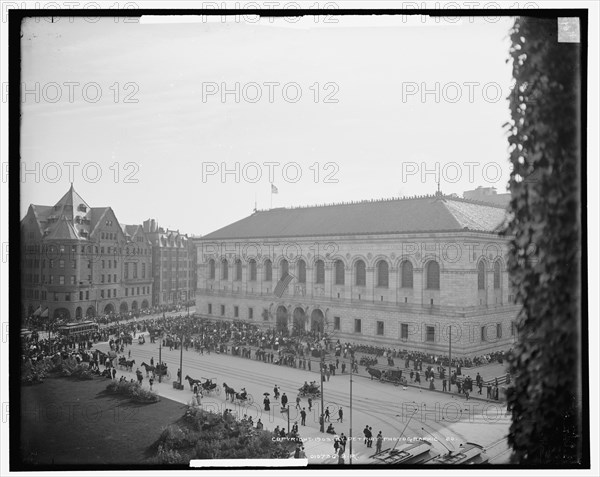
(160,371)
(382,373)
(310,390)
(127,364)
(208,387)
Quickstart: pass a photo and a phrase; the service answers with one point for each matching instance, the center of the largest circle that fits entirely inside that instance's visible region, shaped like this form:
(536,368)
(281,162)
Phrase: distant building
(77,261)
(173,265)
(395,273)
(487,194)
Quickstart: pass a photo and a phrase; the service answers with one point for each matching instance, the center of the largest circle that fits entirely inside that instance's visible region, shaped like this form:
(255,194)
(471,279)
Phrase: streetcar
(78,328)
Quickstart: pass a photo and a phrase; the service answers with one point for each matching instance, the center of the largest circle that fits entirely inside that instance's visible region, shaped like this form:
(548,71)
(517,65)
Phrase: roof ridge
(357,202)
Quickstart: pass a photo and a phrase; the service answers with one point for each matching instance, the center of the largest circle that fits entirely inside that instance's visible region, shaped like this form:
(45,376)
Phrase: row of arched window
(432,273)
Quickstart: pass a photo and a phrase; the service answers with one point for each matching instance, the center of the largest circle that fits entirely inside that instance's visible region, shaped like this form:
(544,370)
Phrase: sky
(146,117)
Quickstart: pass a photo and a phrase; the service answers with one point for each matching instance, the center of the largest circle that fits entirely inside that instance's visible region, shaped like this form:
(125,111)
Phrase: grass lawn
(69,422)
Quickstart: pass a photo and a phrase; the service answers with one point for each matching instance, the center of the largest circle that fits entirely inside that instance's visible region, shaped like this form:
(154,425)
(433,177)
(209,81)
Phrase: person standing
(366,433)
(378,443)
(298,402)
(327,414)
(284,400)
(444,384)
(340,415)
(370,438)
(151,383)
(276,392)
(343,441)
(303,417)
(267,403)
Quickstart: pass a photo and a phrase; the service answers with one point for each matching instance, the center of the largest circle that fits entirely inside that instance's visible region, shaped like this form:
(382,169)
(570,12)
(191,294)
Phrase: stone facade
(386,305)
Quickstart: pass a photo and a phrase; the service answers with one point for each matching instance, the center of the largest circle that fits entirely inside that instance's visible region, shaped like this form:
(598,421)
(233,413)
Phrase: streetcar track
(376,410)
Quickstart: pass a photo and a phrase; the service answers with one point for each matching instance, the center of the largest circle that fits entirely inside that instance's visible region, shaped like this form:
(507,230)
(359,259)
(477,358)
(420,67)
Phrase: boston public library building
(402,273)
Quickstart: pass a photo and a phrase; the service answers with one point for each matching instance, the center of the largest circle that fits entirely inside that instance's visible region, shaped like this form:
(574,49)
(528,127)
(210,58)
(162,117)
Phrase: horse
(374,372)
(229,392)
(129,364)
(148,368)
(193,381)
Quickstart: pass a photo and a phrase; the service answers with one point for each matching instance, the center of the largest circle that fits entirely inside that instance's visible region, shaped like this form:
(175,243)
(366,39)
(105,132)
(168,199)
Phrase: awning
(38,312)
(44,313)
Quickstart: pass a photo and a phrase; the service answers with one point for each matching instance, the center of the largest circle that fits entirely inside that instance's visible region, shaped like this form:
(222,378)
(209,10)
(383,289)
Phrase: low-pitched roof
(406,215)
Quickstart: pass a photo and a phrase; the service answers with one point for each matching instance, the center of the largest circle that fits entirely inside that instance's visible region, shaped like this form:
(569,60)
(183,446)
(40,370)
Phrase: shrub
(133,391)
(206,435)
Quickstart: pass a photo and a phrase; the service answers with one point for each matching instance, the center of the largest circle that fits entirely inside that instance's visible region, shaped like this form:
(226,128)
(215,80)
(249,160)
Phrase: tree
(545,258)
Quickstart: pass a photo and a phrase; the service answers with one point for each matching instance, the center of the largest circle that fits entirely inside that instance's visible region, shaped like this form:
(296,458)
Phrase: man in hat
(284,400)
(303,416)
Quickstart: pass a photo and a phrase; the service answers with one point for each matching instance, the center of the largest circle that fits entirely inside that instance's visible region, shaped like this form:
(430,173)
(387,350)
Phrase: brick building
(173,259)
(403,273)
(77,261)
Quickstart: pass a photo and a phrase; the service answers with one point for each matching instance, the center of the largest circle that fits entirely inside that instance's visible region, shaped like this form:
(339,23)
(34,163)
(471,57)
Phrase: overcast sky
(361,128)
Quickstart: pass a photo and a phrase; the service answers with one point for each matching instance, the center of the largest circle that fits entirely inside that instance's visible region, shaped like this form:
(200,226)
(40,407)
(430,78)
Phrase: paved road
(386,408)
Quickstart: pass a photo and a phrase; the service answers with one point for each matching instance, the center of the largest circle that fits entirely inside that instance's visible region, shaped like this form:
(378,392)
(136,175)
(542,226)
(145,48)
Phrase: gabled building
(72,261)
(405,273)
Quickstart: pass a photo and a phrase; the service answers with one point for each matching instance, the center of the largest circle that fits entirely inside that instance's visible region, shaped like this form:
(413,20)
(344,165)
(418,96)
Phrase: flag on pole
(274,189)
(282,285)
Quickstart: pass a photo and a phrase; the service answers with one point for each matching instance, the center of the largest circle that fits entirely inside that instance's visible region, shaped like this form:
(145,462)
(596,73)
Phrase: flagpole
(271,195)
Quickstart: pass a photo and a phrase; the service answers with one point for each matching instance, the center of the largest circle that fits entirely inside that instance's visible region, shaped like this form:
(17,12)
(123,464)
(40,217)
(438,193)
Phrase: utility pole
(159,357)
(351,366)
(450,358)
(181,361)
(322,419)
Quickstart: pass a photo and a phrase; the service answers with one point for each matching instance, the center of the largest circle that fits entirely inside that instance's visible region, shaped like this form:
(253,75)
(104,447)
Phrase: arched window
(433,276)
(407,274)
(340,278)
(252,270)
(268,270)
(284,268)
(301,271)
(481,276)
(361,273)
(497,277)
(211,269)
(224,270)
(238,270)
(319,272)
(383,275)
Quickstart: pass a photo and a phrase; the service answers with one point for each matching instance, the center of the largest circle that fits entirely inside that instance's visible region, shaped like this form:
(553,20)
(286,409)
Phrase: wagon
(393,376)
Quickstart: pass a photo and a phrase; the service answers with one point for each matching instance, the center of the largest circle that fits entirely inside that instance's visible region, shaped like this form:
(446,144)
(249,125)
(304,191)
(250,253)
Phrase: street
(445,420)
